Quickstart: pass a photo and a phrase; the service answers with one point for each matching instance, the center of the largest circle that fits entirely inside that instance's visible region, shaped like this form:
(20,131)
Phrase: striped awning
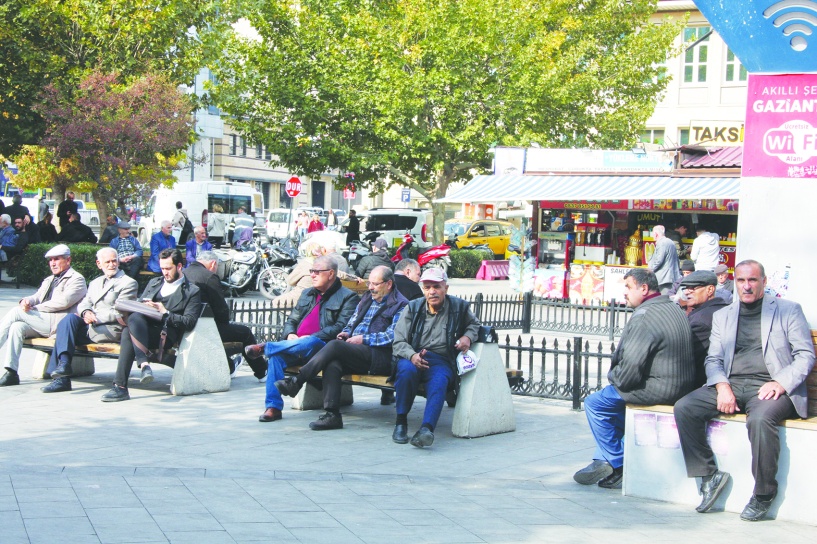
(522,187)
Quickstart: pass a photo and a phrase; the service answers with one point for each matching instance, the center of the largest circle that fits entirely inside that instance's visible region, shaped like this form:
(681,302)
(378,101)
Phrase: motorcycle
(432,257)
(281,258)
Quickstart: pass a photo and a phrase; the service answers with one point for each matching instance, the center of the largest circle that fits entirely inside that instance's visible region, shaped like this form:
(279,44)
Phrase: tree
(58,42)
(416,92)
(121,140)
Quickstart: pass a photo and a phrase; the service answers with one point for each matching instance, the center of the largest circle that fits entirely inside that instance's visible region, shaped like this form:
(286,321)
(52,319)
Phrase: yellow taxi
(494,233)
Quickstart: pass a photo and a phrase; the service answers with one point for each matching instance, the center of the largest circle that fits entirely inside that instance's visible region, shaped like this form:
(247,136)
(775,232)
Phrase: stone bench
(199,367)
(484,405)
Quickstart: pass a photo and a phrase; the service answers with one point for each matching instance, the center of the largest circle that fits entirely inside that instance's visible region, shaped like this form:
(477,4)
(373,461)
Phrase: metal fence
(564,369)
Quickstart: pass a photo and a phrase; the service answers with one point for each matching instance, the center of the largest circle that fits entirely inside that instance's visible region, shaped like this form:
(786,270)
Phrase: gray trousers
(16,327)
(693,412)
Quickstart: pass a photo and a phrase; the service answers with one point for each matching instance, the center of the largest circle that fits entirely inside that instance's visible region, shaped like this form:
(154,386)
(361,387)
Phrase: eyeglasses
(315,271)
(375,283)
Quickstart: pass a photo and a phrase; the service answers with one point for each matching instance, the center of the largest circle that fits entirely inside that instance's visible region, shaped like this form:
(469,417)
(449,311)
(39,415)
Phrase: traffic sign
(405,195)
(348,194)
(293,187)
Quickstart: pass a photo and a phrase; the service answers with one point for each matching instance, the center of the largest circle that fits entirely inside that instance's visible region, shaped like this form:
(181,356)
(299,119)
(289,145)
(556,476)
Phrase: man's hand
(342,336)
(727,403)
(418,360)
(292,336)
(770,391)
(357,339)
(158,305)
(89,317)
(463,344)
(25,305)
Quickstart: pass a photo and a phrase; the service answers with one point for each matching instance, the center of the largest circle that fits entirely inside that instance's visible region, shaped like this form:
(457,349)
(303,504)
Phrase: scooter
(433,257)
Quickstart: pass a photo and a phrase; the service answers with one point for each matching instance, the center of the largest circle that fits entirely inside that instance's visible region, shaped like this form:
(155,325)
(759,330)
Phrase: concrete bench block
(311,398)
(484,405)
(80,365)
(201,363)
(654,465)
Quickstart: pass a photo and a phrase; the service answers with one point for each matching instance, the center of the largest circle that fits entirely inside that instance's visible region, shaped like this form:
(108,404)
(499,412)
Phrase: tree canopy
(420,90)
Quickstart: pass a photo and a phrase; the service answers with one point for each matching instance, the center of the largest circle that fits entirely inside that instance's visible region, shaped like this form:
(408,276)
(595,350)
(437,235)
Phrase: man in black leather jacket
(178,301)
(319,316)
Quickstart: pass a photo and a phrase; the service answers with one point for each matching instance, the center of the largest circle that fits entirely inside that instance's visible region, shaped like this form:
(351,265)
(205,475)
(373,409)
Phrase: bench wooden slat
(372,380)
(103,349)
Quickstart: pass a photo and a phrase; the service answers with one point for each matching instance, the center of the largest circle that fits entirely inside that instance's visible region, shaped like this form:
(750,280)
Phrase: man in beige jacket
(39,314)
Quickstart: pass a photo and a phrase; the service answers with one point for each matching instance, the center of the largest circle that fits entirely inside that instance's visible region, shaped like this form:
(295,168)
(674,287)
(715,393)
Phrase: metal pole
(577,356)
(289,221)
(527,310)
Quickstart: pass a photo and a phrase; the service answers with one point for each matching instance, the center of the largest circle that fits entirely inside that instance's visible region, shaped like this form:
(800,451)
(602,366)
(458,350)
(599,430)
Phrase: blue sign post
(405,196)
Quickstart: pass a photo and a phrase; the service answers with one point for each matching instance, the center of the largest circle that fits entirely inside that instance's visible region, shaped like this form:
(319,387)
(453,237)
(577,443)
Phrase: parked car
(494,233)
(280,223)
(392,224)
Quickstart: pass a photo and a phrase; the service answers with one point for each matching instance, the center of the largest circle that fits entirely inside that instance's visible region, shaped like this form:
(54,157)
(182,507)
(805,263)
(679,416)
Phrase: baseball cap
(59,250)
(380,243)
(434,275)
(698,278)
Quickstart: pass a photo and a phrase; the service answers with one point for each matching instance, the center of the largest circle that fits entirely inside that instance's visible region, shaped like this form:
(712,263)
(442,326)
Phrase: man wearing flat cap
(724,283)
(39,314)
(129,250)
(701,303)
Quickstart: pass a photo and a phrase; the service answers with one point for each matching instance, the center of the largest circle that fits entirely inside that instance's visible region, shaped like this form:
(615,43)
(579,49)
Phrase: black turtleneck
(748,362)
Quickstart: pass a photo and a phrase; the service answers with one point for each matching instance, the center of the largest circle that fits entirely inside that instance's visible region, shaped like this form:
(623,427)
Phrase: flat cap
(698,278)
(59,250)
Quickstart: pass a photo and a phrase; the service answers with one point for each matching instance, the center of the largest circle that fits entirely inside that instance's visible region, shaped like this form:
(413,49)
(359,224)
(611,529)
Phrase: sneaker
(237,361)
(757,508)
(327,422)
(593,472)
(147,375)
(116,394)
(613,481)
(57,385)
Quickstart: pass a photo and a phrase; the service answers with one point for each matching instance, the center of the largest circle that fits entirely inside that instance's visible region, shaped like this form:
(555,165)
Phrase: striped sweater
(655,359)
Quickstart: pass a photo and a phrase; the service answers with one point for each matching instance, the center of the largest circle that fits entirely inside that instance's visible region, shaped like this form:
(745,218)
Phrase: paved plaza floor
(202,469)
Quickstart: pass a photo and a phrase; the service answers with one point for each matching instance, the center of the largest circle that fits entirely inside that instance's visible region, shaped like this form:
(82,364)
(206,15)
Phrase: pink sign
(781,127)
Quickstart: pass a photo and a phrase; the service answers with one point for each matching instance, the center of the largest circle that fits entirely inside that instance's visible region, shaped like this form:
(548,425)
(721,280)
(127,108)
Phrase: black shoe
(757,509)
(386,397)
(613,481)
(57,385)
(422,438)
(10,378)
(400,434)
(711,490)
(593,472)
(116,394)
(147,375)
(270,414)
(327,422)
(63,370)
(288,386)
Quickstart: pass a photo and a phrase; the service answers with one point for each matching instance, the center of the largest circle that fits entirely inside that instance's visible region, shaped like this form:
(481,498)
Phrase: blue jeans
(280,355)
(437,377)
(605,414)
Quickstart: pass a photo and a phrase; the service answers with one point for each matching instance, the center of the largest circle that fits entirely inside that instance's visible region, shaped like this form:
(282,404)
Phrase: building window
(734,69)
(233,143)
(267,155)
(259,151)
(695,58)
(243,147)
(652,136)
(684,136)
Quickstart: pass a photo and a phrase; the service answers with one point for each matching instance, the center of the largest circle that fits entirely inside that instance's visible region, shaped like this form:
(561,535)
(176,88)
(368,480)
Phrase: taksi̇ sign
(293,187)
(781,127)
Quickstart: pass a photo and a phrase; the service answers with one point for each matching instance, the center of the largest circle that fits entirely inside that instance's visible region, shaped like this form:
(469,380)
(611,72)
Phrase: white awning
(521,187)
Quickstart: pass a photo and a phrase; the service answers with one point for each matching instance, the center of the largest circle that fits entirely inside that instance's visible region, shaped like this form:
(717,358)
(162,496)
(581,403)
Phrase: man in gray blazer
(664,261)
(96,319)
(760,353)
(39,314)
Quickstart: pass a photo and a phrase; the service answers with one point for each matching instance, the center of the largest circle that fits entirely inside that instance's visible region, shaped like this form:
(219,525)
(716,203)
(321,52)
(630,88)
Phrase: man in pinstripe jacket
(653,364)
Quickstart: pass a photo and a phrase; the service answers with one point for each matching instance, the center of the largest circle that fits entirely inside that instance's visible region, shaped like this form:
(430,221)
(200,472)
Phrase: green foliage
(34,269)
(465,263)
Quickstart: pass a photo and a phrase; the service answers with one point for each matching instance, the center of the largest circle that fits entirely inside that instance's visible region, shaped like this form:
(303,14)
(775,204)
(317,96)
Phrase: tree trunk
(438,210)
(102,211)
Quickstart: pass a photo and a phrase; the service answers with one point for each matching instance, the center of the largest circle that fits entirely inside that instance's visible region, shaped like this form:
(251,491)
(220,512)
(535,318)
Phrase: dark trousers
(216,241)
(147,333)
(71,332)
(132,268)
(232,332)
(693,412)
(336,359)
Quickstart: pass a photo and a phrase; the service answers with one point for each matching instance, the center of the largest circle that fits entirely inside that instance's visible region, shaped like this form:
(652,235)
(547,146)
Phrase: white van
(279,223)
(198,198)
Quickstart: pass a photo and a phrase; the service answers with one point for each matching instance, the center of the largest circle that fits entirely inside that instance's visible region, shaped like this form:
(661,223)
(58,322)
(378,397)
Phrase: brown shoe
(270,414)
(254,351)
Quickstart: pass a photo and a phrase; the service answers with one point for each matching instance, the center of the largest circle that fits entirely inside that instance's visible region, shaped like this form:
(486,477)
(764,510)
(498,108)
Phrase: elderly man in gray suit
(760,353)
(39,314)
(96,320)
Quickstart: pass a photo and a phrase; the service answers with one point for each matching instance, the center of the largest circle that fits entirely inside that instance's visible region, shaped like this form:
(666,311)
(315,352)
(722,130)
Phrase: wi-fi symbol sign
(792,22)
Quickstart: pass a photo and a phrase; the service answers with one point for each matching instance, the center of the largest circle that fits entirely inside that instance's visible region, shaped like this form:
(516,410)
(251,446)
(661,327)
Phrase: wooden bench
(493,270)
(474,416)
(199,366)
(654,466)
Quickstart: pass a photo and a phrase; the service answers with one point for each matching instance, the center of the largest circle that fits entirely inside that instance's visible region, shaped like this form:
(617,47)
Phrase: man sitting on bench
(318,317)
(39,314)
(760,354)
(178,305)
(362,347)
(426,343)
(96,319)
